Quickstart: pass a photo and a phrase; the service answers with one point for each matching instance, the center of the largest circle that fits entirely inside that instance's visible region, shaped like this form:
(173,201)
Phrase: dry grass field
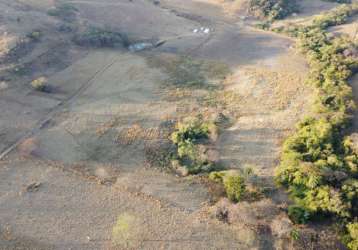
(73,158)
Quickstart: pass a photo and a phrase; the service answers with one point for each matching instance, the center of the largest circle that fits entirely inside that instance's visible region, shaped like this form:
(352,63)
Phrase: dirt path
(92,173)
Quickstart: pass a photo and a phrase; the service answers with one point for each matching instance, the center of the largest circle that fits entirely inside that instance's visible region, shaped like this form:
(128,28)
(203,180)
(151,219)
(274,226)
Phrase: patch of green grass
(187,72)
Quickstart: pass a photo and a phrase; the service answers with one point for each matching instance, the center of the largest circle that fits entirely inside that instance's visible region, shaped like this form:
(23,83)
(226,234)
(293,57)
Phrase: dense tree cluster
(319,165)
(272,9)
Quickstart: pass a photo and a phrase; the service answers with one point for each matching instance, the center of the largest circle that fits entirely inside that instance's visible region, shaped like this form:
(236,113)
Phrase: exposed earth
(73,164)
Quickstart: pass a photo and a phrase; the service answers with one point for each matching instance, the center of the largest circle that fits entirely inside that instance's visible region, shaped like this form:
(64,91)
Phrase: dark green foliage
(272,9)
(298,214)
(97,37)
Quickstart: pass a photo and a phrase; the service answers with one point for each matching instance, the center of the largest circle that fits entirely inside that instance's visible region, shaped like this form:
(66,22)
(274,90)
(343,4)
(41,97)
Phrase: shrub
(298,214)
(234,183)
(234,187)
(40,84)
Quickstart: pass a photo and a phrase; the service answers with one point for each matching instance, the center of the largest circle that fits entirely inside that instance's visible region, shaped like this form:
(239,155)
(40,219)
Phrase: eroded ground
(83,144)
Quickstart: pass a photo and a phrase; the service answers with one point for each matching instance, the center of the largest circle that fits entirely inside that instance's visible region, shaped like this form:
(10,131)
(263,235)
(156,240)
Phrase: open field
(74,165)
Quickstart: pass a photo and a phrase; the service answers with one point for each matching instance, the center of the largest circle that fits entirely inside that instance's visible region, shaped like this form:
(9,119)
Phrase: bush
(40,84)
(234,187)
(233,182)
(298,214)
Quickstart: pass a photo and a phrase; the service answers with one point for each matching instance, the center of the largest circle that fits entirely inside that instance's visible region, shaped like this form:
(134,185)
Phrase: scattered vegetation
(40,84)
(97,37)
(272,9)
(319,166)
